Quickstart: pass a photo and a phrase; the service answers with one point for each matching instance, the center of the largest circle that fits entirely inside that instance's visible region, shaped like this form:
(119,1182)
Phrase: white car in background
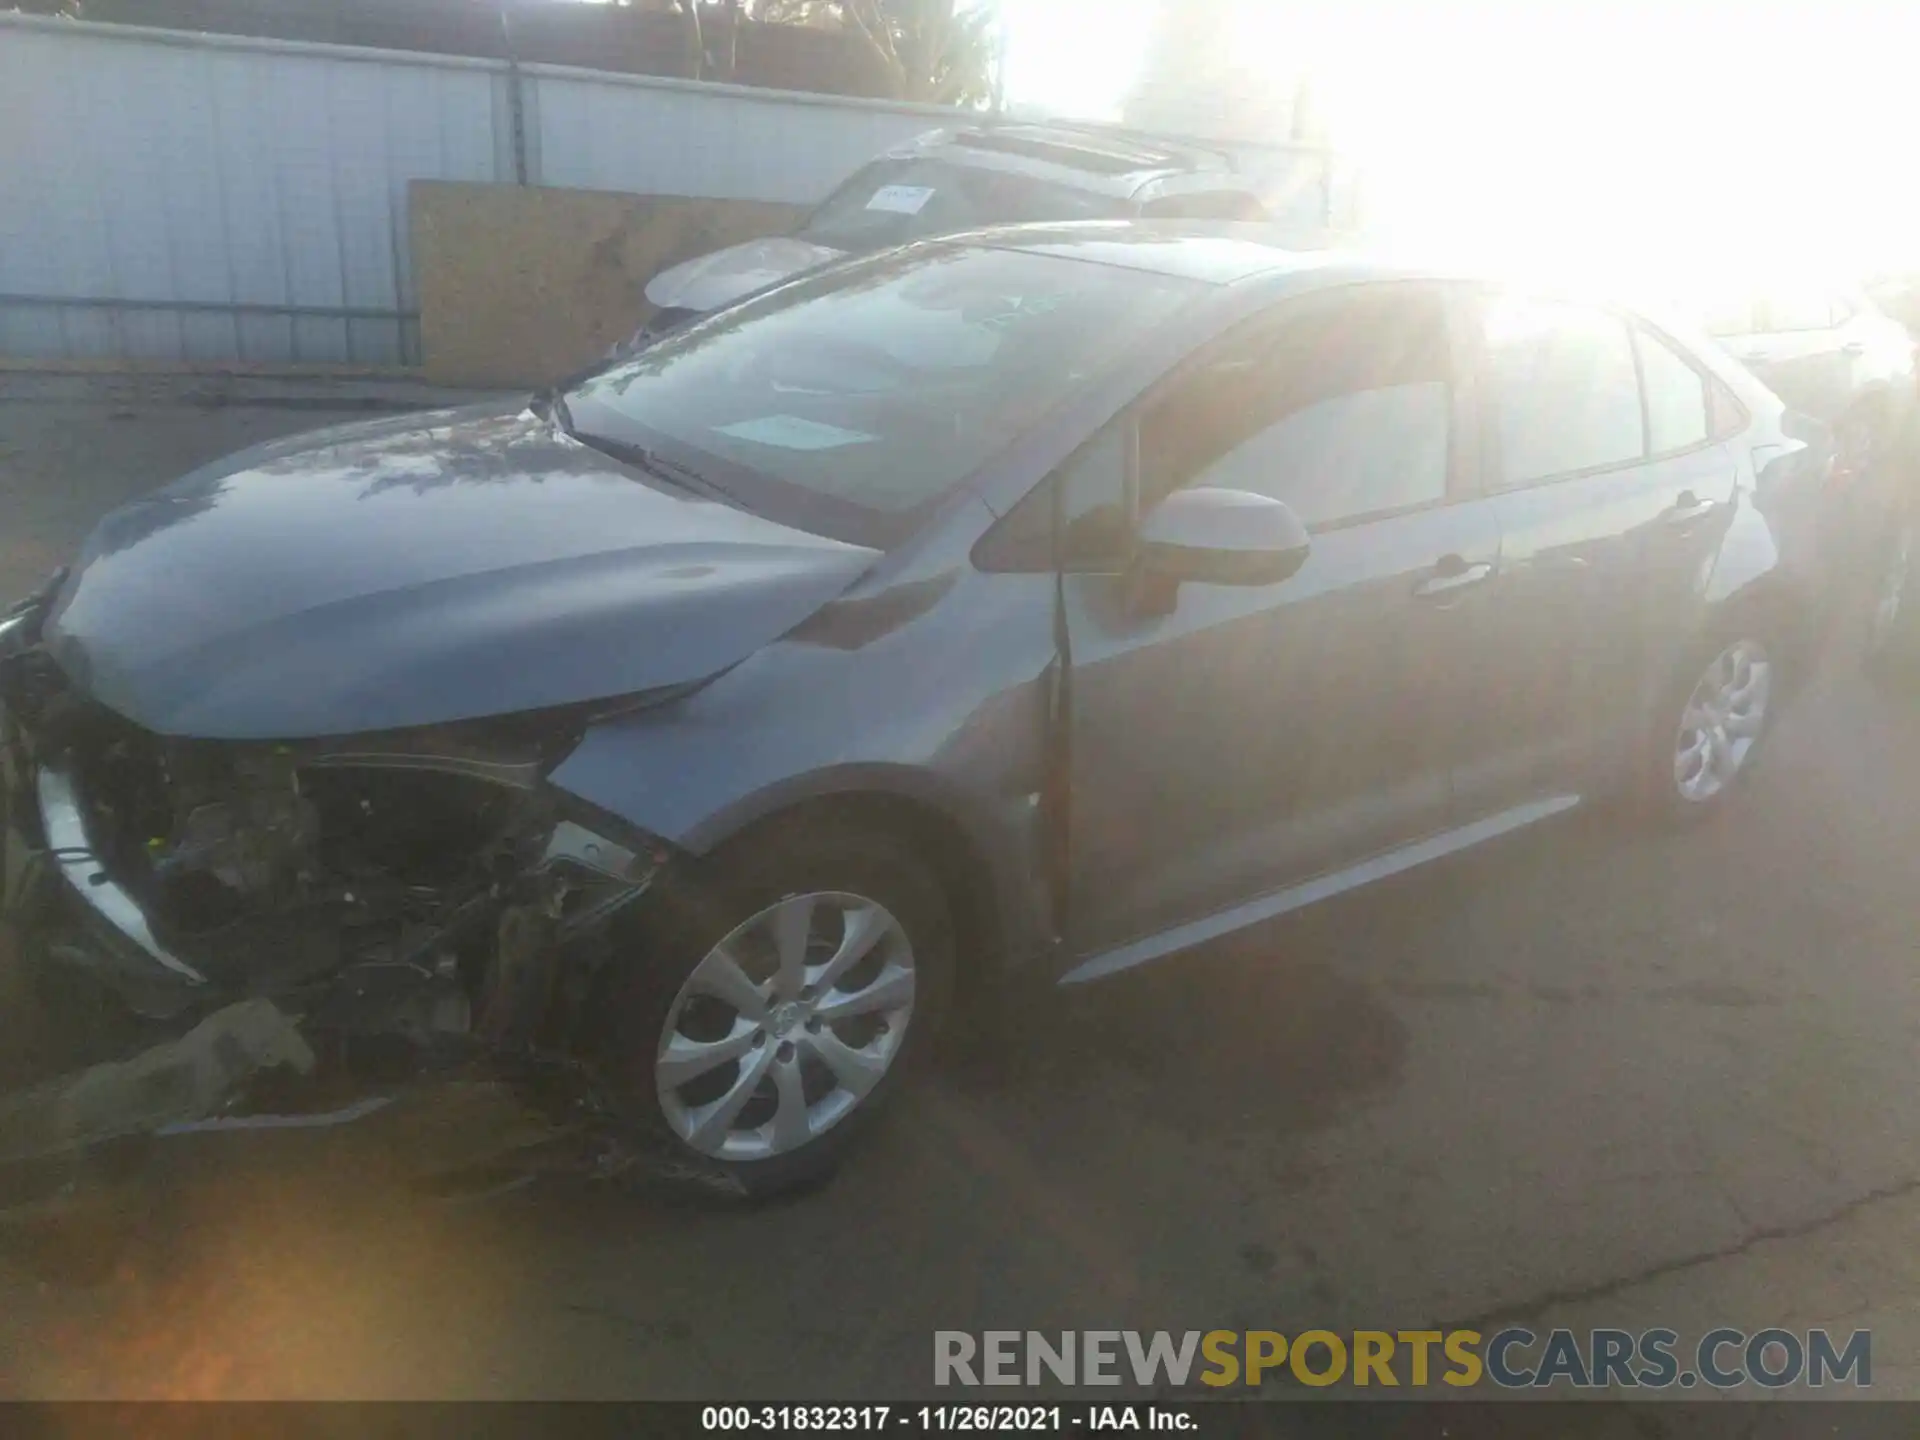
(962,179)
(1830,353)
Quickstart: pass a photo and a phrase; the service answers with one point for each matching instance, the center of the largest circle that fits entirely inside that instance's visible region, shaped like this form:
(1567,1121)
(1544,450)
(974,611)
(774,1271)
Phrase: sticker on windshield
(792,432)
(901,199)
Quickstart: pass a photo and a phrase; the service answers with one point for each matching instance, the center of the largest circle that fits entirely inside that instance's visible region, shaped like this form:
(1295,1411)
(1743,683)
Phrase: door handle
(1453,573)
(1689,508)
(1854,347)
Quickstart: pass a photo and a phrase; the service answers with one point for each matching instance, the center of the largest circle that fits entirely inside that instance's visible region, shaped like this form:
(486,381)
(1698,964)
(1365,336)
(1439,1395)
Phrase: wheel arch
(1776,609)
(990,923)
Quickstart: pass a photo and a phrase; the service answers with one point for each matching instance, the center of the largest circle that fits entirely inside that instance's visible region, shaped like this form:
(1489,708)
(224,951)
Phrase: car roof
(1279,257)
(1218,252)
(1103,159)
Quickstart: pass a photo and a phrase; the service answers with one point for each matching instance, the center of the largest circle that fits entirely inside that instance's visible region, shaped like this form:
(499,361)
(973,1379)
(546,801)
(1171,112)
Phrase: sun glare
(1677,148)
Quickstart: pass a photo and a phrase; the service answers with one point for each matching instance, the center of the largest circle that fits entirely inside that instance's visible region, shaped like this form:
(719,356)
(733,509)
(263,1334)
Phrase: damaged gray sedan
(1034,603)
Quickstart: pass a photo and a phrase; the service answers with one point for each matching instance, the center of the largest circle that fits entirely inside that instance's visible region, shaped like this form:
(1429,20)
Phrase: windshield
(893,201)
(846,402)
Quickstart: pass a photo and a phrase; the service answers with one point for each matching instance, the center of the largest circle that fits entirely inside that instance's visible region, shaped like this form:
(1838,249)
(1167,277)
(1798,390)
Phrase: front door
(1250,737)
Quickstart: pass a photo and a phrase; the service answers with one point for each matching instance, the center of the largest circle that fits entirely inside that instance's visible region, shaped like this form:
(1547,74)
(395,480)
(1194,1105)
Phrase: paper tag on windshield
(901,199)
(793,432)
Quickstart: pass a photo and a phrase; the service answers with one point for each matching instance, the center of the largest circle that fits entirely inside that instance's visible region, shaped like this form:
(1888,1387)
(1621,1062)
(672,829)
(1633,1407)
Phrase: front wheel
(781,1007)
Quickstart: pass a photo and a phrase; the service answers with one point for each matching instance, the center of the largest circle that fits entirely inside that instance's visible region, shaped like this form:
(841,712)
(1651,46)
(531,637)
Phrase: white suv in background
(1830,354)
(951,180)
(1834,355)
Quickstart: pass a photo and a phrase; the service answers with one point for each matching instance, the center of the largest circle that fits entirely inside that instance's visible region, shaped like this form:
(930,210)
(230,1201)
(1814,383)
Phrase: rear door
(1611,494)
(1254,736)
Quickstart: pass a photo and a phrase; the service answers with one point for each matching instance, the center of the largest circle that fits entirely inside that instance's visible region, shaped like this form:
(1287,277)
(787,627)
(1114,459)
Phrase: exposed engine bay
(415,901)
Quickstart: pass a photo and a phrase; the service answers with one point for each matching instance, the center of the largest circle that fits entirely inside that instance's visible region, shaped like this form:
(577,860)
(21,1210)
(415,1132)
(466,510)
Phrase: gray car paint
(1160,833)
(405,573)
(925,681)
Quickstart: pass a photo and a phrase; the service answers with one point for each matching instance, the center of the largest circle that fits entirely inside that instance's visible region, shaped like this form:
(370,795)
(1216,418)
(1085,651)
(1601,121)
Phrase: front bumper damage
(271,950)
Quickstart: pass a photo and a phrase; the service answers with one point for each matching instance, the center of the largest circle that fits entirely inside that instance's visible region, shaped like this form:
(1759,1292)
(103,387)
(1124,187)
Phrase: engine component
(256,844)
(518,982)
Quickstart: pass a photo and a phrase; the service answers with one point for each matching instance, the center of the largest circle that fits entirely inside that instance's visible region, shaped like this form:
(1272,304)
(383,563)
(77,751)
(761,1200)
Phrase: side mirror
(1222,537)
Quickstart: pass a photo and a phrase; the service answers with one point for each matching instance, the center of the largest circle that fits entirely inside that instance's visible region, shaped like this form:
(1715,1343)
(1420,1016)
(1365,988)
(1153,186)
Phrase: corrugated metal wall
(713,142)
(179,197)
(216,200)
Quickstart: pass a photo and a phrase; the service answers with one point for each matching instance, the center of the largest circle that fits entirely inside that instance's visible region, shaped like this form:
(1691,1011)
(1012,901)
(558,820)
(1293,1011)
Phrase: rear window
(846,403)
(892,202)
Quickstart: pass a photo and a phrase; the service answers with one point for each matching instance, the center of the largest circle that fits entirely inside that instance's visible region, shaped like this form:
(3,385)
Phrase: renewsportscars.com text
(1513,1358)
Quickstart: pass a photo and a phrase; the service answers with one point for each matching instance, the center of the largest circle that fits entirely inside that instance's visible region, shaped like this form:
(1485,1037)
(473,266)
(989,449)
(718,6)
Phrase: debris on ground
(174,1083)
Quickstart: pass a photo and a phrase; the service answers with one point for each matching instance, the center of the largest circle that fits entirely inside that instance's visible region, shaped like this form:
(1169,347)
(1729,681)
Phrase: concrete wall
(520,285)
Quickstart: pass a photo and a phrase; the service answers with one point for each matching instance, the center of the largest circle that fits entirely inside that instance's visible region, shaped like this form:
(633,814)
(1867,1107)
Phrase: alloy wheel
(1722,721)
(786,1026)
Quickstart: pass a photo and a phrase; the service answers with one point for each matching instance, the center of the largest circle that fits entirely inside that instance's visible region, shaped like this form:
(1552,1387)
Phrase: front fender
(947,711)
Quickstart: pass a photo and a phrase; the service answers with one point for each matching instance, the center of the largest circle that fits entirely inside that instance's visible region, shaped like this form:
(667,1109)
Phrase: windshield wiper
(651,461)
(626,452)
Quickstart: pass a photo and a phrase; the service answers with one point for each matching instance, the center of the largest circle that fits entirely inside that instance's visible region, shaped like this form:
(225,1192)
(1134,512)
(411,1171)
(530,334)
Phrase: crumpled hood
(419,571)
(714,280)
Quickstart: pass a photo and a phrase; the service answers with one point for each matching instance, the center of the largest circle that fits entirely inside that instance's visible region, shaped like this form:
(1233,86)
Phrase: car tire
(1709,724)
(1888,648)
(686,1041)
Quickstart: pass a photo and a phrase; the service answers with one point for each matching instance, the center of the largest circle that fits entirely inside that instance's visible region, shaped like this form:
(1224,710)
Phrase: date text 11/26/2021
(918,1419)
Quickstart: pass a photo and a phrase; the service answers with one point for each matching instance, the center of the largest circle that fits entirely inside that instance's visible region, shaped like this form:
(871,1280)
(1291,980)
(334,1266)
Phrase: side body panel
(1252,737)
(931,684)
(1602,585)
(1260,735)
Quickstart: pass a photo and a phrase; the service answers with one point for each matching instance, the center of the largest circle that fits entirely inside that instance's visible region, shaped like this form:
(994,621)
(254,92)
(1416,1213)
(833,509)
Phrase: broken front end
(409,902)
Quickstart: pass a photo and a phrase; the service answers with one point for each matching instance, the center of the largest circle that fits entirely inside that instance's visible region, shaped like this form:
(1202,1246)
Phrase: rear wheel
(780,1010)
(1707,731)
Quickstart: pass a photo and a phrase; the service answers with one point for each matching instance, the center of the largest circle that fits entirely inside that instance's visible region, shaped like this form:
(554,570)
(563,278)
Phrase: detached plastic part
(174,1083)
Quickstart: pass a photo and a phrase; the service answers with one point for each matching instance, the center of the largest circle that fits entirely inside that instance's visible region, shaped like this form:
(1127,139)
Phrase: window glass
(891,202)
(1676,397)
(1343,410)
(1564,388)
(1729,415)
(1095,523)
(1093,512)
(845,402)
